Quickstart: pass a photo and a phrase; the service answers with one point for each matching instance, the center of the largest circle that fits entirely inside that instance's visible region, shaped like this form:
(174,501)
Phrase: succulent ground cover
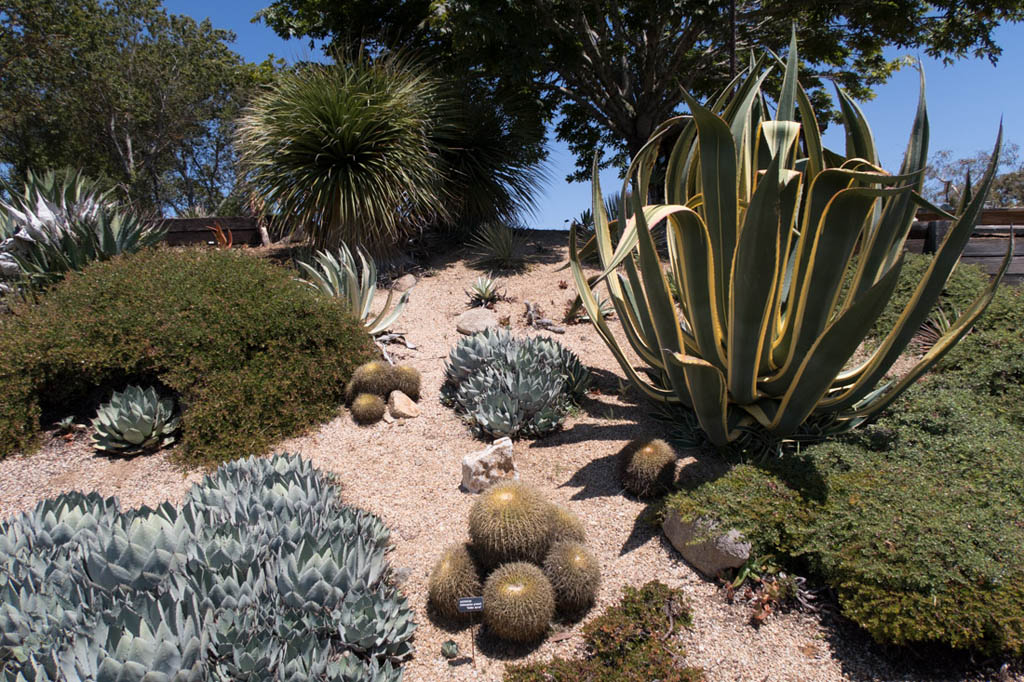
(262,574)
(251,354)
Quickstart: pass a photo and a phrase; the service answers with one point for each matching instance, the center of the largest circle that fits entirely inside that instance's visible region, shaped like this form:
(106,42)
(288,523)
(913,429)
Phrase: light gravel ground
(409,471)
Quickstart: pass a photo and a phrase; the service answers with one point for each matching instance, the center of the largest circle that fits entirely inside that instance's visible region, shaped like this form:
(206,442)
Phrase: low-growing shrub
(252,355)
(262,573)
(636,640)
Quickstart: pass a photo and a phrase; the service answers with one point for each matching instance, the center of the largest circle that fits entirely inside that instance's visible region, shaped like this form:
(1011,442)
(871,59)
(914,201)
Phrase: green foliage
(637,640)
(519,602)
(484,292)
(368,408)
(914,521)
(338,275)
(252,355)
(59,223)
(944,180)
(454,576)
(407,379)
(144,99)
(647,468)
(261,572)
(566,526)
(506,386)
(574,575)
(134,421)
(510,522)
(769,351)
(499,246)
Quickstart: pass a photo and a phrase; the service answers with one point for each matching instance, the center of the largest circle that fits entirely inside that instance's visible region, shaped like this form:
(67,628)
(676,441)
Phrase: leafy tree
(614,69)
(126,92)
(944,179)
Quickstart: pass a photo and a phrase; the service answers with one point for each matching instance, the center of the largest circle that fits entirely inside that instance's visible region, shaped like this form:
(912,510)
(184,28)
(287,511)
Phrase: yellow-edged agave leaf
(762,225)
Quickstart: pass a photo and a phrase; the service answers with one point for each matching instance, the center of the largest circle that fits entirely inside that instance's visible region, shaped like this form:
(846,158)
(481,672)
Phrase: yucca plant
(345,151)
(338,275)
(762,224)
(499,246)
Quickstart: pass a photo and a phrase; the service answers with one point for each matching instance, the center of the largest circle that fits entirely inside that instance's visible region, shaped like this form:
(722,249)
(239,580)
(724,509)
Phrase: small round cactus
(647,467)
(574,575)
(510,522)
(454,576)
(375,378)
(518,602)
(407,380)
(566,526)
(368,408)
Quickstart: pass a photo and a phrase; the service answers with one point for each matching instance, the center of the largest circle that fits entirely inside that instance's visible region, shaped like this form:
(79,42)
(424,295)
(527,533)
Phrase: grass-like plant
(762,225)
(346,152)
(338,275)
(499,246)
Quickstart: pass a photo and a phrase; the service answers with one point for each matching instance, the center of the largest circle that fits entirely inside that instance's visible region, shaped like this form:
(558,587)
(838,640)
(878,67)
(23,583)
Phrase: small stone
(401,406)
(387,418)
(404,283)
(475,320)
(482,469)
(704,546)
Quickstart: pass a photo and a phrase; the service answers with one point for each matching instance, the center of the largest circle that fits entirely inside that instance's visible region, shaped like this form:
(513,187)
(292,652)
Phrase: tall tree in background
(126,92)
(614,70)
(944,178)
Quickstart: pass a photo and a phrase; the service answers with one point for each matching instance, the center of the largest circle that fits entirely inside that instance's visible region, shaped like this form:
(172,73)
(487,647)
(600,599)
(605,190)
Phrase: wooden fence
(987,245)
(187,231)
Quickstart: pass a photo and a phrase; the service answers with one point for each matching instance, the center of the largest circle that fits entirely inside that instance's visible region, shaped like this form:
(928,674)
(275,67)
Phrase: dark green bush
(633,641)
(253,355)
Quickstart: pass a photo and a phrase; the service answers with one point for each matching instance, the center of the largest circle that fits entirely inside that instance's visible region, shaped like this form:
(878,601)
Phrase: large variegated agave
(262,574)
(134,421)
(763,224)
(336,274)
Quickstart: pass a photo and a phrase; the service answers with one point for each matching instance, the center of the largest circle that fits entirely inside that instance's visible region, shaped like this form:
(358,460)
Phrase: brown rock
(404,283)
(401,406)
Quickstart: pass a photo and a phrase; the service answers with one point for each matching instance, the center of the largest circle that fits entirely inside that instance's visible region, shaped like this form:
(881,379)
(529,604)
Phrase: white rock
(480,470)
(704,546)
(475,320)
(401,406)
(404,283)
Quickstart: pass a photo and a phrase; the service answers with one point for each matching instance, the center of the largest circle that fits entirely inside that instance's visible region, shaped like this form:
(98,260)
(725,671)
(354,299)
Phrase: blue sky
(965,102)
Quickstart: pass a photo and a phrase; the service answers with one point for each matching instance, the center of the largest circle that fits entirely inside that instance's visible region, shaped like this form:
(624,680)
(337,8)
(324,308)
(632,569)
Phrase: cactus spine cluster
(574,574)
(510,522)
(368,408)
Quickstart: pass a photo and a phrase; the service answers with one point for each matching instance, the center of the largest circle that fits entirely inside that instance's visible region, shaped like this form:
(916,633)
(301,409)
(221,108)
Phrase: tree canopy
(613,70)
(126,92)
(946,176)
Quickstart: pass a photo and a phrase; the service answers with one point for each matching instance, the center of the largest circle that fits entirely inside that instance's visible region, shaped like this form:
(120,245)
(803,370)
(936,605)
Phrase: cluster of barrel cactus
(527,558)
(509,386)
(372,384)
(262,574)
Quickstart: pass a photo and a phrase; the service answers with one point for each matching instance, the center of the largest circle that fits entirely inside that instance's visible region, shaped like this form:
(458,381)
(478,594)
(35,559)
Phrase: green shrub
(253,355)
(633,641)
(234,585)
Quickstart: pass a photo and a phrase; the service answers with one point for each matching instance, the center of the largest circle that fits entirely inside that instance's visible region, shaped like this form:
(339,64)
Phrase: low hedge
(915,521)
(252,355)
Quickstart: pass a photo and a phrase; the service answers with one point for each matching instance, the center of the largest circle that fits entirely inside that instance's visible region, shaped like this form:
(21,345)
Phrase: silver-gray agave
(134,421)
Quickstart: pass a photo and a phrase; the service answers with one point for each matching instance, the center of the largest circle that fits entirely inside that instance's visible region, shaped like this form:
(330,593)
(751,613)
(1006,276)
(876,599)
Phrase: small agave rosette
(134,421)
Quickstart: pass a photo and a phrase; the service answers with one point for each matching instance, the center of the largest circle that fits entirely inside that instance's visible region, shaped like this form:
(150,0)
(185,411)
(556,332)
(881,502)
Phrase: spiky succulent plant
(262,574)
(507,386)
(510,522)
(368,408)
(518,602)
(454,576)
(647,467)
(407,379)
(574,574)
(499,246)
(135,420)
(484,292)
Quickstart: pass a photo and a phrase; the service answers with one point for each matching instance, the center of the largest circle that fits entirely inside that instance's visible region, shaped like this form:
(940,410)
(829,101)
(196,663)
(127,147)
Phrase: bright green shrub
(236,584)
(633,641)
(252,354)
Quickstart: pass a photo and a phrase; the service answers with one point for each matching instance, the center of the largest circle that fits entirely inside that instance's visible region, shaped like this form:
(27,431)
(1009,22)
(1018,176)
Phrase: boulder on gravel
(401,406)
(475,320)
(481,470)
(704,545)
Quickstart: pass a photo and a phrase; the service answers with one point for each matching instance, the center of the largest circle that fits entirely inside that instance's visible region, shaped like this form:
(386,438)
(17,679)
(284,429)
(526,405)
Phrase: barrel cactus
(454,576)
(518,602)
(134,421)
(574,574)
(510,522)
(647,467)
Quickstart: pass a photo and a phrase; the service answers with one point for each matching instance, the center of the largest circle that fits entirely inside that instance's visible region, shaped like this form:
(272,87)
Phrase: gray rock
(481,470)
(475,320)
(404,283)
(401,406)
(704,546)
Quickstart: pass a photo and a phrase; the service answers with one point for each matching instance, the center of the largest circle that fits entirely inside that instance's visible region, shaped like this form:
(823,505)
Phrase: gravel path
(409,473)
